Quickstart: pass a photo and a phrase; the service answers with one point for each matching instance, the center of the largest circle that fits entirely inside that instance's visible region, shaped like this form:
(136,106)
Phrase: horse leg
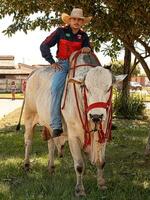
(60,142)
(100,176)
(100,168)
(79,166)
(28,137)
(51,150)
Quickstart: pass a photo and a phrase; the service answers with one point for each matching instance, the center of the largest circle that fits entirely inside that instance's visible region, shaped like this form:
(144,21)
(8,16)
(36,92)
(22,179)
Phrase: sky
(26,47)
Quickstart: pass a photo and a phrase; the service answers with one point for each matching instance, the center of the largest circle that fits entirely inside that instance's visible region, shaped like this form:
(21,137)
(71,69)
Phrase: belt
(63,59)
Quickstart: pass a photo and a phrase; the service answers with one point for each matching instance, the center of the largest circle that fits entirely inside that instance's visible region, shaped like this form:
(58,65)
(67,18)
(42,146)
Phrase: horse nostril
(91,116)
(101,116)
(96,118)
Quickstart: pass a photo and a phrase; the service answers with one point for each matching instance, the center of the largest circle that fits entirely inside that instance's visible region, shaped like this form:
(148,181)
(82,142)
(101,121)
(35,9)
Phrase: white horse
(95,84)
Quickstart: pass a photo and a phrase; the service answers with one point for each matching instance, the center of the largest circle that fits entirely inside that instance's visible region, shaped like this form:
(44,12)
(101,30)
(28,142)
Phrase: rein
(84,117)
(74,59)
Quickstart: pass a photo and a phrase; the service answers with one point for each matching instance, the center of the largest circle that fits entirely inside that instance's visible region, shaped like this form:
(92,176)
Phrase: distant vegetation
(132,108)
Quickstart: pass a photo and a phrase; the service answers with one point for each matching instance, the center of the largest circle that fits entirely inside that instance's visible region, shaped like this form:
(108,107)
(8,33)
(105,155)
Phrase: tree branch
(147,48)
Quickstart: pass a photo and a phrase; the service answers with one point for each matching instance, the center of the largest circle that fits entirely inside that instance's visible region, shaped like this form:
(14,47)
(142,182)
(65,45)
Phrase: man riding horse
(68,39)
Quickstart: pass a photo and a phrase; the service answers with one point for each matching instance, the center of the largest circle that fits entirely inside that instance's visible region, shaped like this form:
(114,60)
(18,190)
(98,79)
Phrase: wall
(143,80)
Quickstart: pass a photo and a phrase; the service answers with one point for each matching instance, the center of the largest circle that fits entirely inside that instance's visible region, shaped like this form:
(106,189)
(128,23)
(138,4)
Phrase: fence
(5,85)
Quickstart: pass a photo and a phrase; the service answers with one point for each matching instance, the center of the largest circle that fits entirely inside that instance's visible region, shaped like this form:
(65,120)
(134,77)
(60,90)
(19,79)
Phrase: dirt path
(7,106)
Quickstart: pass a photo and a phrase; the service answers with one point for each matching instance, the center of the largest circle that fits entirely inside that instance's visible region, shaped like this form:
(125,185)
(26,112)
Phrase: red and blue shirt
(67,42)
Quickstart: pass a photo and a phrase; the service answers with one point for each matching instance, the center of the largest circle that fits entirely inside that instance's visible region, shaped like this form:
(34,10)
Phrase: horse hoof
(103,187)
(51,170)
(27,167)
(61,155)
(147,153)
(80,192)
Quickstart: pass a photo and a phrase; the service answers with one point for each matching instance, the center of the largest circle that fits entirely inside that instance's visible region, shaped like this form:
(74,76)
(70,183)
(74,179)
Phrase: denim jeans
(57,88)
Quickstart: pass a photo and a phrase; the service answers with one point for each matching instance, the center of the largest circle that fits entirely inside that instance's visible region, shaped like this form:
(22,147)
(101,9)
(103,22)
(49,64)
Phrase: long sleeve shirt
(67,42)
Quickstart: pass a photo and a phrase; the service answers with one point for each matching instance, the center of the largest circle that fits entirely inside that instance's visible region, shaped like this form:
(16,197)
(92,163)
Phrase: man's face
(76,23)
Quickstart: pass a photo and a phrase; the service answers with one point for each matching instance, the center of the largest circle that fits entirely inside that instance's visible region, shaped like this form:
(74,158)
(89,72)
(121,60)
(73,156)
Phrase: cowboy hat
(75,13)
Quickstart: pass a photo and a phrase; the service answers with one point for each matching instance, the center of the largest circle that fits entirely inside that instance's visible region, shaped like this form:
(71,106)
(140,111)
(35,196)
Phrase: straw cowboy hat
(75,13)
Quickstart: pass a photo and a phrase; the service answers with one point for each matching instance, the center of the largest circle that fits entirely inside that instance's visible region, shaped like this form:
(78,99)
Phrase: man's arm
(49,42)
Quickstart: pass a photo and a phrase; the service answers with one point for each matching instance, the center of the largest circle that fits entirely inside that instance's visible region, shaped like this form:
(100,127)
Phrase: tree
(130,25)
(123,23)
(118,68)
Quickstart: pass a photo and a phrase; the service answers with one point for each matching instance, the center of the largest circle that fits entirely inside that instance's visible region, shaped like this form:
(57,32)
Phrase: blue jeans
(57,88)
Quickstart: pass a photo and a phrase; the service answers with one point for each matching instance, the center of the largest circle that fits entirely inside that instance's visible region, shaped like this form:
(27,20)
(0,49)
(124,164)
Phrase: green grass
(127,171)
(145,98)
(9,96)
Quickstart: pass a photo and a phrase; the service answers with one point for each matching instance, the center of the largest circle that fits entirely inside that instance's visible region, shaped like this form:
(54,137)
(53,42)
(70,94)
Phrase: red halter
(106,105)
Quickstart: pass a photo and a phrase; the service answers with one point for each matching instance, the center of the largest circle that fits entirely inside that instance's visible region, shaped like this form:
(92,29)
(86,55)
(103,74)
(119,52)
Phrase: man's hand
(56,66)
(85,50)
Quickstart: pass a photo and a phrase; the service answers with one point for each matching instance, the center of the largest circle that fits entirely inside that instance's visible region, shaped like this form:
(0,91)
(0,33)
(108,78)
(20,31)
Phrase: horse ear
(108,67)
(119,78)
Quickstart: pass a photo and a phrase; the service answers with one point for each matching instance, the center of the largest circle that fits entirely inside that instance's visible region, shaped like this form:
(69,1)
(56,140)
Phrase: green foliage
(130,108)
(112,48)
(111,19)
(115,23)
(118,68)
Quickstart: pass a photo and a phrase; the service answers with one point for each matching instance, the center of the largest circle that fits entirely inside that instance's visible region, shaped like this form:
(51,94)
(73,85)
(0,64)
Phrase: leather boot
(57,133)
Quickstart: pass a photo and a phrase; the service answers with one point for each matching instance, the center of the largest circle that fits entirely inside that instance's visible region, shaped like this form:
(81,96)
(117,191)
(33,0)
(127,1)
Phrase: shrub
(130,108)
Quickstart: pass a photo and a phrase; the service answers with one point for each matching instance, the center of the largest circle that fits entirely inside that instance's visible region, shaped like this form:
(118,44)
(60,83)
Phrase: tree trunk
(126,70)
(125,87)
(140,58)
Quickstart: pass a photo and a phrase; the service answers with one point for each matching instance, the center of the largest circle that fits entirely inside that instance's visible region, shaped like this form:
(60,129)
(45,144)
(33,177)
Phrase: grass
(127,170)
(144,97)
(9,96)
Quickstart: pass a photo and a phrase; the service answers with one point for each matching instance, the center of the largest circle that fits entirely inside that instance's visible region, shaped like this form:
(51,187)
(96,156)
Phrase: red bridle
(83,116)
(106,105)
(97,105)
